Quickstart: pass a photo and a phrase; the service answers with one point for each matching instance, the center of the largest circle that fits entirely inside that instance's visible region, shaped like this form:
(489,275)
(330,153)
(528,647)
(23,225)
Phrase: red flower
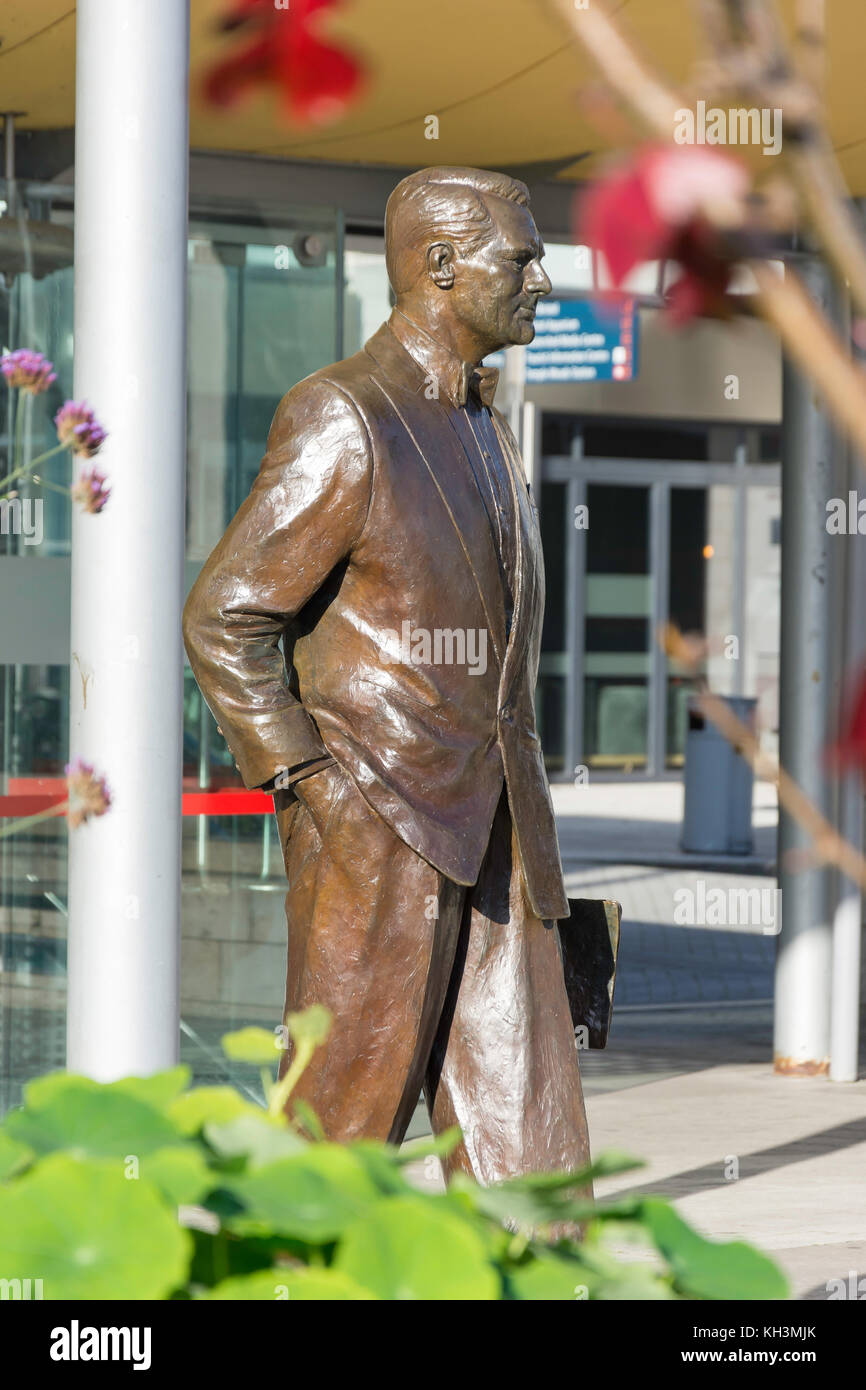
(849,752)
(317,80)
(653,209)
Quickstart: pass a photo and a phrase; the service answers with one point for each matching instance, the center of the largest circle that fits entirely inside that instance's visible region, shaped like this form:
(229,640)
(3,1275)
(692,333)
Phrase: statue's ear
(440,264)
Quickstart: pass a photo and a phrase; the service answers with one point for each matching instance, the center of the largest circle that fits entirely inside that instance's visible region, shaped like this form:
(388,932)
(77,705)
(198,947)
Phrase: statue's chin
(523,332)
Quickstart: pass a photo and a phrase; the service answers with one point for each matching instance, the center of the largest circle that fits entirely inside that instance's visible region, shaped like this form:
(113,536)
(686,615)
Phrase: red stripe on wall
(226,802)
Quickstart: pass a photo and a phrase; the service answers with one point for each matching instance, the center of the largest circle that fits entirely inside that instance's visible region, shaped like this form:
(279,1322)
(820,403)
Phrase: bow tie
(481,380)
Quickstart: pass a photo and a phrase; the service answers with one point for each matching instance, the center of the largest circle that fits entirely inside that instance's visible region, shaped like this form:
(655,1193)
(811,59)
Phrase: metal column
(848,917)
(741,530)
(812,569)
(660,546)
(131,160)
(575,630)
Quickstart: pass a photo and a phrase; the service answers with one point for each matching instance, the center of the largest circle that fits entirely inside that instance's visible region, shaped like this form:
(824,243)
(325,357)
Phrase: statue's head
(464,257)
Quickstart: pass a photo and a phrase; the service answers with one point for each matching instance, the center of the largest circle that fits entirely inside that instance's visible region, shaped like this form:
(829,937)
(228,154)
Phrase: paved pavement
(686,1082)
(745,1154)
(639,822)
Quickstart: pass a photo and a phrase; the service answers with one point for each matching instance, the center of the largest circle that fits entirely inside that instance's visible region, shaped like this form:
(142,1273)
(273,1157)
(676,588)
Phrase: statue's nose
(538,279)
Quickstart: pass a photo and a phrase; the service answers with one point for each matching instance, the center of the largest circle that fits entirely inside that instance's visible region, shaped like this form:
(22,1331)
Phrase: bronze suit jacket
(365,515)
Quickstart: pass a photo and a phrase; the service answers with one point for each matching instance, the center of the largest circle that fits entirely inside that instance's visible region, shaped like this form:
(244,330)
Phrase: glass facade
(271,299)
(35,312)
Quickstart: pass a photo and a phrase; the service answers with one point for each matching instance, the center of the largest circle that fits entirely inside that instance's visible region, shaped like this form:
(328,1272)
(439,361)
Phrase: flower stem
(279,1096)
(24,821)
(17,454)
(27,467)
(55,487)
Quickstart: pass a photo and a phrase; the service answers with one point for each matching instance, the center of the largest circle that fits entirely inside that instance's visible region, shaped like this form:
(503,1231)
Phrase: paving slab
(749,1155)
(640,822)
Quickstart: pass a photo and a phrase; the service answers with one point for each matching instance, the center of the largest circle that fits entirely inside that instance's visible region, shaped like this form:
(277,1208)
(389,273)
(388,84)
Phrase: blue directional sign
(583,340)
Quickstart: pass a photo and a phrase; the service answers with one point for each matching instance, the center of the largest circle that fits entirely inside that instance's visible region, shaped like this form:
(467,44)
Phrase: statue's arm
(304,514)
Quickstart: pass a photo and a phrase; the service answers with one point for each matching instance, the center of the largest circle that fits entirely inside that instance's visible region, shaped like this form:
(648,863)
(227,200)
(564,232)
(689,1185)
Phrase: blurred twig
(827,844)
(811,343)
(770,75)
(751,44)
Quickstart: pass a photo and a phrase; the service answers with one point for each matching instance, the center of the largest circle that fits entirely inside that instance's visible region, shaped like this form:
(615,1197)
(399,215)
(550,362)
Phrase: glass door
(693,572)
(631,544)
(617,627)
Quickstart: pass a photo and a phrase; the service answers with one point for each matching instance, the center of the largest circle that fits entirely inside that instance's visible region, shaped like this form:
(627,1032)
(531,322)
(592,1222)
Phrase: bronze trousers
(431,984)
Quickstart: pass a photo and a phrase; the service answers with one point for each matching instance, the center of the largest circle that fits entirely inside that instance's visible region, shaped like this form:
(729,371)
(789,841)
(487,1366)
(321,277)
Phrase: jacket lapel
(402,384)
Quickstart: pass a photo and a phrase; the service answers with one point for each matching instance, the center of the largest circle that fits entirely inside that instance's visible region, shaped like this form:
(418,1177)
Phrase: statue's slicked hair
(441,204)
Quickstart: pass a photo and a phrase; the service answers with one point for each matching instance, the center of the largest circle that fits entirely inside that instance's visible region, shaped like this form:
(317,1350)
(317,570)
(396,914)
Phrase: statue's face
(496,287)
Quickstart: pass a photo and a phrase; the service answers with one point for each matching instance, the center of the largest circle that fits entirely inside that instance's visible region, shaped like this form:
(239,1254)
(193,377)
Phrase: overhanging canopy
(504,77)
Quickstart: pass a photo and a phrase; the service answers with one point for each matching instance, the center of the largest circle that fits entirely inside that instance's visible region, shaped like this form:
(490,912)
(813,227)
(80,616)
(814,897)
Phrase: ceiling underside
(508,84)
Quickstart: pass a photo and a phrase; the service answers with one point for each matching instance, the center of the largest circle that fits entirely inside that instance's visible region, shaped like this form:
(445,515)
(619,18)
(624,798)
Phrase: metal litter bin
(717,816)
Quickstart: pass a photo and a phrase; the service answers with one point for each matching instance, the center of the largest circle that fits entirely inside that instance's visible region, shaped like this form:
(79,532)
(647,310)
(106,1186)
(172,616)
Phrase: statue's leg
(372,934)
(504,1064)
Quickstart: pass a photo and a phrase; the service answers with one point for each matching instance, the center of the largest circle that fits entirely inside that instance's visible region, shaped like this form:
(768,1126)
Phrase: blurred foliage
(92,1177)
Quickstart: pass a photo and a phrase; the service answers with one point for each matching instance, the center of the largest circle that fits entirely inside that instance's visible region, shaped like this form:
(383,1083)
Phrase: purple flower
(88,794)
(28,370)
(78,428)
(90,490)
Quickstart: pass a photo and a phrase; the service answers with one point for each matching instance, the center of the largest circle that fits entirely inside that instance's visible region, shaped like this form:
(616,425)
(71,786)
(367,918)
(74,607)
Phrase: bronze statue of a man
(391,545)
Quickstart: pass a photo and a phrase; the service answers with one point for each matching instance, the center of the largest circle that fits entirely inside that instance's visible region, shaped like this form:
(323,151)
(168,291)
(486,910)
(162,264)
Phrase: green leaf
(584,1271)
(382,1163)
(504,1204)
(180,1173)
(311,1026)
(90,1120)
(545,1276)
(605,1166)
(209,1105)
(710,1269)
(417,1248)
(295,1285)
(218,1256)
(88,1233)
(517,1205)
(158,1090)
(305,1115)
(13,1155)
(610,1278)
(252,1045)
(257,1138)
(312,1196)
(43,1090)
(543,1199)
(430,1146)
(634,1283)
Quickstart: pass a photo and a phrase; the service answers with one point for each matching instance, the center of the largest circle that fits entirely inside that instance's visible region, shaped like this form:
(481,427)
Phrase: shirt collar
(449,371)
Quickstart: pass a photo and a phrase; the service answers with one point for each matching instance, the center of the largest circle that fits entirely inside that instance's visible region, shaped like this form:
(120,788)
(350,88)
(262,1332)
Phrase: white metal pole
(845,1031)
(848,917)
(530,446)
(812,577)
(131,162)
